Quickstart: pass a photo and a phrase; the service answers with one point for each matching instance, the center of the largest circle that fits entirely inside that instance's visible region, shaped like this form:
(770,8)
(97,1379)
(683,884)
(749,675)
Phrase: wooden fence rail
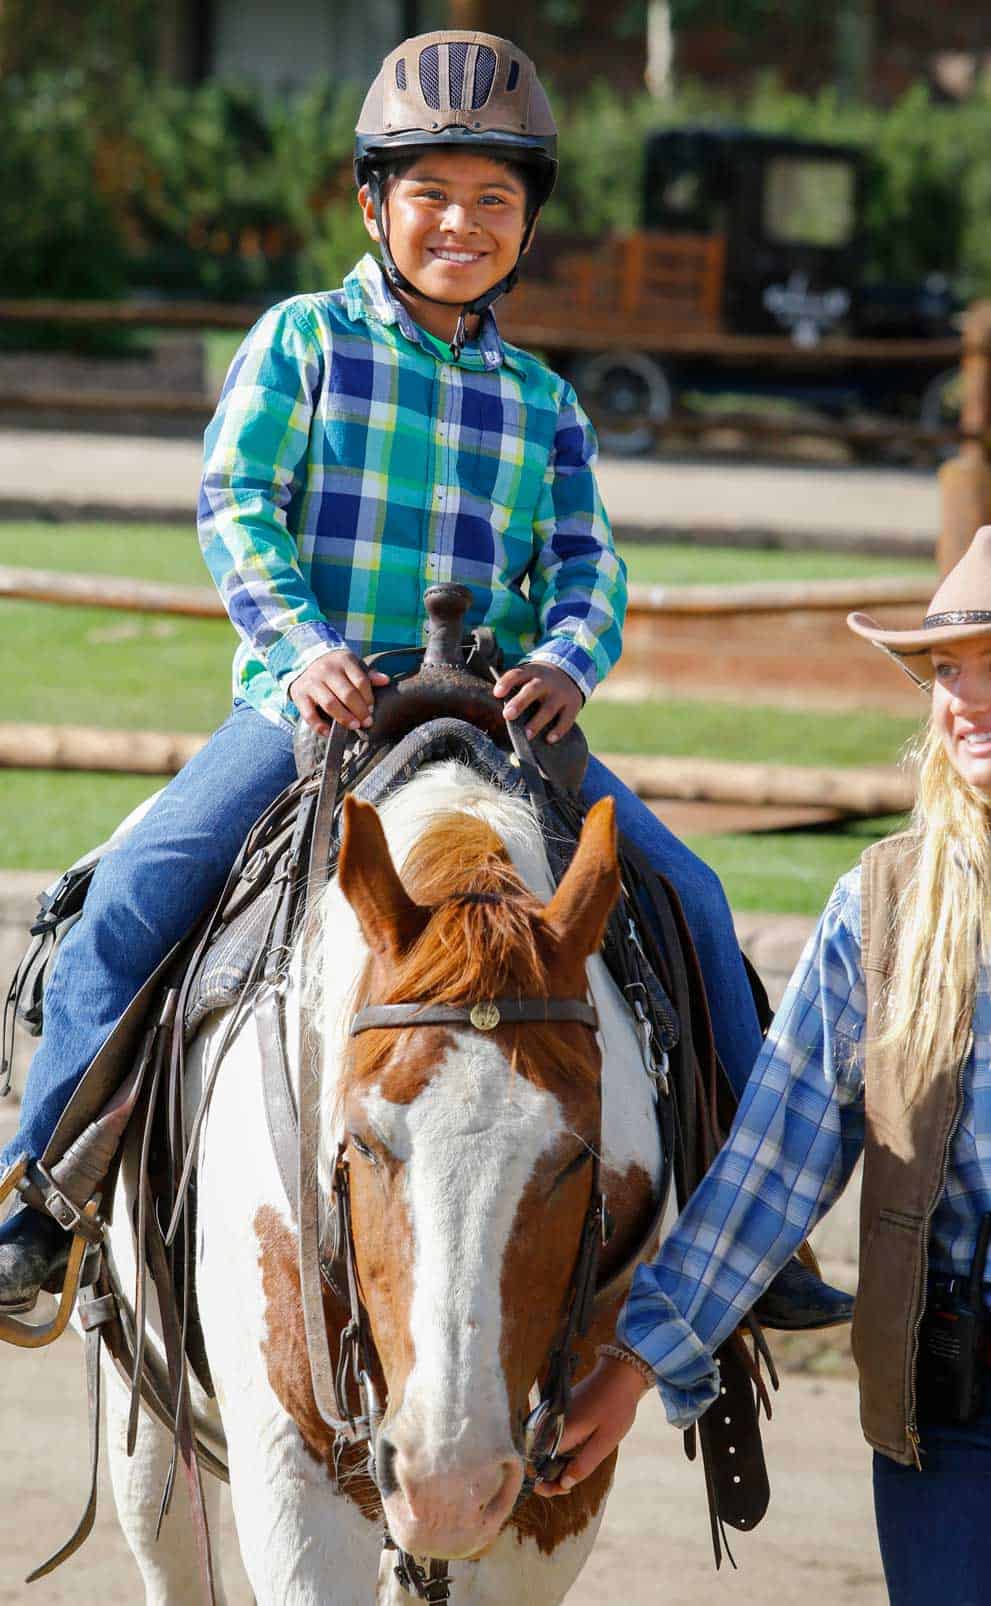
(201,602)
(838,792)
(687,341)
(733,626)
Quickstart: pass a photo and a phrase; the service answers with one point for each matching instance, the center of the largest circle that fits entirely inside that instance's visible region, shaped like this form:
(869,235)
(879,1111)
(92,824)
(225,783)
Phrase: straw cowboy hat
(960,609)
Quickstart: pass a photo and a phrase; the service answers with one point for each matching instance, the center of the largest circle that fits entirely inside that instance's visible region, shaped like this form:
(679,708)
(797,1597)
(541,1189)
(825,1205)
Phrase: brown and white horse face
(470,1160)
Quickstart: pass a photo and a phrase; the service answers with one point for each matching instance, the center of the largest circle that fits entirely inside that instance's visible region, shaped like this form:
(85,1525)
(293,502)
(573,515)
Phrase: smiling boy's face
(455,223)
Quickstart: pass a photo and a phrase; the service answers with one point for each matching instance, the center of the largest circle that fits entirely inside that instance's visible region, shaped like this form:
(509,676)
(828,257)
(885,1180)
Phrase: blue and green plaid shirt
(351,463)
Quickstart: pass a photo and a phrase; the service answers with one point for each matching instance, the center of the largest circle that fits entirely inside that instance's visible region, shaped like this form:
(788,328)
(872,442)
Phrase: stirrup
(24,1334)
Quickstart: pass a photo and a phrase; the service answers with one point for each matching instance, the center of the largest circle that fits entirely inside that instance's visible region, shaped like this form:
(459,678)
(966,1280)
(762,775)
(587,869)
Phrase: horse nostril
(385,1467)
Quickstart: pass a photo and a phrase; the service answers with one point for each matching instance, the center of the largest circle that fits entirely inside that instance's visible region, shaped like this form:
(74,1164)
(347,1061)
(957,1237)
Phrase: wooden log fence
(201,602)
(725,641)
(865,792)
(767,350)
(106,591)
(90,747)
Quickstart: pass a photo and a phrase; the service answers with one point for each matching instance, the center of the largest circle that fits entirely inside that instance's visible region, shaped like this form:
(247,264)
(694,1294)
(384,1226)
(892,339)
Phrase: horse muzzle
(447,1506)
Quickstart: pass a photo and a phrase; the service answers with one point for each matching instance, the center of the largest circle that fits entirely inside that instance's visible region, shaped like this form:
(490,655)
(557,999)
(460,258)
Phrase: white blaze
(471,1142)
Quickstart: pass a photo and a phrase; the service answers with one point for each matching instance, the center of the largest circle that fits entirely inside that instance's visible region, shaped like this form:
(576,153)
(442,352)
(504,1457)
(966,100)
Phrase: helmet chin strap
(469,309)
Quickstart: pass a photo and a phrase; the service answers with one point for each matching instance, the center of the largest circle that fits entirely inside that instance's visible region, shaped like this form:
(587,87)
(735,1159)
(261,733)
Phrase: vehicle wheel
(629,395)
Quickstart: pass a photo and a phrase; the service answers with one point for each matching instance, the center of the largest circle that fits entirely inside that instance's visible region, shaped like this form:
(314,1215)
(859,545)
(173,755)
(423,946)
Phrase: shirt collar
(370,298)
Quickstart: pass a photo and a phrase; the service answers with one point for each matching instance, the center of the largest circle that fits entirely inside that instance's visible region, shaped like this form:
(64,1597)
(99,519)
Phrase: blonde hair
(943,921)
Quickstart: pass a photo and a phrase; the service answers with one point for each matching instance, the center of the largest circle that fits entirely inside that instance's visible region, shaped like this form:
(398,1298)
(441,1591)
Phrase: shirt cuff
(298,648)
(687,1375)
(574,660)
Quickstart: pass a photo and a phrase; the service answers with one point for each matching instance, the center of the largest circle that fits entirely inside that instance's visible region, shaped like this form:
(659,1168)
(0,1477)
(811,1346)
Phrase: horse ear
(580,907)
(387,915)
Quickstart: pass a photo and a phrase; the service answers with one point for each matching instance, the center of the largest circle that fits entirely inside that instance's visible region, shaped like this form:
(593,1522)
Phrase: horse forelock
(452,833)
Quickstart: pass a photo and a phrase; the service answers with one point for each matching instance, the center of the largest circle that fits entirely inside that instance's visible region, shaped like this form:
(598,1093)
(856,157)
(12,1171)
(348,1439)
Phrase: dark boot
(34,1251)
(798,1300)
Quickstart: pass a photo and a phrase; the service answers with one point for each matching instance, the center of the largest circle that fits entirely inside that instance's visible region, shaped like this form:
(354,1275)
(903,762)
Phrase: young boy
(370,441)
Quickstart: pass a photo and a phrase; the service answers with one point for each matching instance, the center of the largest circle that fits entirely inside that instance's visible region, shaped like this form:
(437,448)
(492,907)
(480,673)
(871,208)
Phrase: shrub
(221,192)
(58,232)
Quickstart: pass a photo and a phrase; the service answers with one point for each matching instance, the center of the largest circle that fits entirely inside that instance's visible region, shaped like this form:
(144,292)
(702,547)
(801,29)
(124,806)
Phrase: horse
(472,1155)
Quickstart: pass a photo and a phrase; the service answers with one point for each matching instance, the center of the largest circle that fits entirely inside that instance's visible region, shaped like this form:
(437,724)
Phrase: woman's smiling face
(962,707)
(455,223)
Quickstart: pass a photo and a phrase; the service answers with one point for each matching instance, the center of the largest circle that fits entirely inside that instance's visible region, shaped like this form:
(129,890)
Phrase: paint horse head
(471,1155)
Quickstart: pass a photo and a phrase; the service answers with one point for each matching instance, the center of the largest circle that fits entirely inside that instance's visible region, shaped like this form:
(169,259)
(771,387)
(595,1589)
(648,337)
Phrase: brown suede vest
(905,1156)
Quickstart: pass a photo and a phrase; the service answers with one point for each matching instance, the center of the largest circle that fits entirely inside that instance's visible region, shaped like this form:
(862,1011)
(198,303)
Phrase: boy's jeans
(148,892)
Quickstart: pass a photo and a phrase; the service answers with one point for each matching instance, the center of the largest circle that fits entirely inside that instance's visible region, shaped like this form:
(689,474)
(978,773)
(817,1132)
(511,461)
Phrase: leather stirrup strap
(185,1438)
(332,1409)
(280,1104)
(93,1314)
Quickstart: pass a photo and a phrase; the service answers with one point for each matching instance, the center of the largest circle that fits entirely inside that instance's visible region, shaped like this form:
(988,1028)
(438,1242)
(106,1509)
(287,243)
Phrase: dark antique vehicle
(748,276)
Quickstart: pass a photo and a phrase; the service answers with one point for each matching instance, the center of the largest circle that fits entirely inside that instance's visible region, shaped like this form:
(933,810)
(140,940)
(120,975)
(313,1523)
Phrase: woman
(882,1046)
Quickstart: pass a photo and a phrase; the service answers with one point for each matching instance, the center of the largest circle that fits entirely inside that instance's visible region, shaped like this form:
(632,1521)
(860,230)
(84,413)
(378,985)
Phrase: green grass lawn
(164,552)
(746,733)
(788,872)
(653,563)
(94,667)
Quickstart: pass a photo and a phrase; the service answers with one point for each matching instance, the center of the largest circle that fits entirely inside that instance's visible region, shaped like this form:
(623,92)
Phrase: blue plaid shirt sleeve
(578,581)
(797,1135)
(254,468)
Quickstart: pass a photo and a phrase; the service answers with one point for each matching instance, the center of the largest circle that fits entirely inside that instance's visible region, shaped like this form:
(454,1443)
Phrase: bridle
(544,1426)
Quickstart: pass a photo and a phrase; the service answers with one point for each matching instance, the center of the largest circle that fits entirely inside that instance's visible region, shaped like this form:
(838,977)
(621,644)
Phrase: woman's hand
(552,697)
(602,1411)
(336,686)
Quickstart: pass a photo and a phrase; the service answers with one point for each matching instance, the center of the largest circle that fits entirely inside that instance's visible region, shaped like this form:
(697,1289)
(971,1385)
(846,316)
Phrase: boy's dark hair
(521,171)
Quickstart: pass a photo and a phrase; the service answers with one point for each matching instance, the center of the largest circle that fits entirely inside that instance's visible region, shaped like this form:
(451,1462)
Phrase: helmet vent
(513,76)
(485,67)
(430,76)
(400,74)
(457,55)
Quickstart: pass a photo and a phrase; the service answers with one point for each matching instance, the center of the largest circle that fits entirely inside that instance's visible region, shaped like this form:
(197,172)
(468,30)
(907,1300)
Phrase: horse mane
(487,945)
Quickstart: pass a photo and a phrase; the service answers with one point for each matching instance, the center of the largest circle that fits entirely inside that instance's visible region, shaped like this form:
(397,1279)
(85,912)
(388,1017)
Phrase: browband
(485,1016)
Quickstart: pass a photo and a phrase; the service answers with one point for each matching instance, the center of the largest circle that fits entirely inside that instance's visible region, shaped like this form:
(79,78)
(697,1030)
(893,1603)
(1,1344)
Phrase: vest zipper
(912,1426)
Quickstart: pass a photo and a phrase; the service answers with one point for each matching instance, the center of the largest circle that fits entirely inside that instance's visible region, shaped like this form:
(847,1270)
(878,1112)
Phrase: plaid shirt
(351,464)
(797,1136)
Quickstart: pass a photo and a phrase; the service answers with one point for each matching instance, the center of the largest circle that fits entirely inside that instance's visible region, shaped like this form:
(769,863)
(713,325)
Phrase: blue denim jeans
(731,1005)
(149,891)
(933,1525)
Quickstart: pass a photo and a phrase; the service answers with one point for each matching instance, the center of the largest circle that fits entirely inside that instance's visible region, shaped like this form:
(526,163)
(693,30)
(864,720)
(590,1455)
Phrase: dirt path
(816,1547)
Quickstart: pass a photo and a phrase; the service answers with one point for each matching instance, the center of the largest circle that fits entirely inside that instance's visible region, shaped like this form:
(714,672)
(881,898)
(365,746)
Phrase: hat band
(957,616)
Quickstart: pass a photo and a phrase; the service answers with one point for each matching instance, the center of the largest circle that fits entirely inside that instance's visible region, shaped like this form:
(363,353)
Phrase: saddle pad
(227,962)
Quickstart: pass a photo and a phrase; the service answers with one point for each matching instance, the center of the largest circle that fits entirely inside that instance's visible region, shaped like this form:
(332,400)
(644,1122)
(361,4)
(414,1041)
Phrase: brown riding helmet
(472,91)
(468,91)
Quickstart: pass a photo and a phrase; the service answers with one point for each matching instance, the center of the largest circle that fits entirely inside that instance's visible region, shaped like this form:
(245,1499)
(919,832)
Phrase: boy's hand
(602,1411)
(552,698)
(336,686)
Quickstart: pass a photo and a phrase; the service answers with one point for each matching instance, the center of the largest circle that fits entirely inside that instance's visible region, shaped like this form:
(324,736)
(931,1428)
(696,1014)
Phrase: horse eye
(362,1148)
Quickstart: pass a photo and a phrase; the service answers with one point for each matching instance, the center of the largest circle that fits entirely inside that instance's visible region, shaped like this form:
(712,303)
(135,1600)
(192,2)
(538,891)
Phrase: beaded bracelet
(617,1353)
